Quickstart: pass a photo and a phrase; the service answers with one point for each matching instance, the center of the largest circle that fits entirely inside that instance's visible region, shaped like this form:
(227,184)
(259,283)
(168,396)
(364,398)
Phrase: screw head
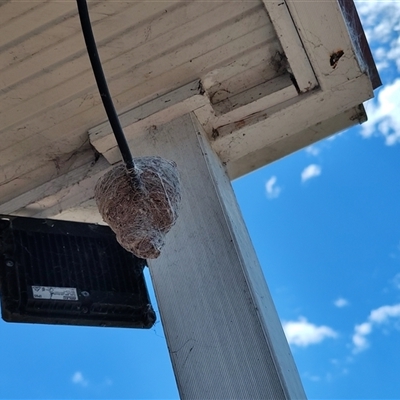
(85,293)
(9,263)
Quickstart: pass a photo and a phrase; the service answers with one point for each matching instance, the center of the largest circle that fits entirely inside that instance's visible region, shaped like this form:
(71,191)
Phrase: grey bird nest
(140,215)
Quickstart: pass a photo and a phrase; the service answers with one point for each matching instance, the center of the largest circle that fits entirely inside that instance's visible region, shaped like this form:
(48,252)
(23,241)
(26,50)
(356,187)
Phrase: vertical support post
(223,333)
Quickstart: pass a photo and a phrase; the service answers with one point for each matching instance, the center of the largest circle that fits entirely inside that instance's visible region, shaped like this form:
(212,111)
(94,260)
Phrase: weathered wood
(188,98)
(281,148)
(160,110)
(293,49)
(261,97)
(63,192)
(323,32)
(233,142)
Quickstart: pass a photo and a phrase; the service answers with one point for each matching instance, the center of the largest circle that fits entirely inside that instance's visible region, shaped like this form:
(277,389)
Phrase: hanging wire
(103,89)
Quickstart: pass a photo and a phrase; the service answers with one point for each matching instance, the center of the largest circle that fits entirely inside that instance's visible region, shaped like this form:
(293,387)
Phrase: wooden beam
(325,37)
(281,148)
(292,45)
(143,120)
(233,142)
(61,193)
(159,110)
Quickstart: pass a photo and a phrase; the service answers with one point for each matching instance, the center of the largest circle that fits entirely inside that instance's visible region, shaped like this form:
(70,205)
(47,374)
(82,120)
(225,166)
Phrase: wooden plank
(28,21)
(281,148)
(292,45)
(56,191)
(85,212)
(69,62)
(262,96)
(187,99)
(158,111)
(69,196)
(323,33)
(180,58)
(61,59)
(65,112)
(262,129)
(13,10)
(38,168)
(247,70)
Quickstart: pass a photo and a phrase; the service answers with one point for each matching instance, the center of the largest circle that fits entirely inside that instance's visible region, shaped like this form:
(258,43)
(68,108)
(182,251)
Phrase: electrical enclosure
(73,273)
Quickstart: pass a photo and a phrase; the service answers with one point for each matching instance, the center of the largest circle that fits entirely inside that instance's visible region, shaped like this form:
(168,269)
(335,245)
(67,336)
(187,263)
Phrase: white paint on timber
(85,208)
(223,333)
(59,194)
(157,111)
(274,151)
(150,50)
(240,106)
(141,120)
(323,31)
(261,97)
(48,97)
(282,121)
(292,46)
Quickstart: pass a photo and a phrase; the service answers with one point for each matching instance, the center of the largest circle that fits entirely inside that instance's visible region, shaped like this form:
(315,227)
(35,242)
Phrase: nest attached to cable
(140,214)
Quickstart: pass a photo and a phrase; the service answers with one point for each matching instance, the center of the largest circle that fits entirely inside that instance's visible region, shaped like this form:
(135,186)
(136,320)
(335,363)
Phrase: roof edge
(353,20)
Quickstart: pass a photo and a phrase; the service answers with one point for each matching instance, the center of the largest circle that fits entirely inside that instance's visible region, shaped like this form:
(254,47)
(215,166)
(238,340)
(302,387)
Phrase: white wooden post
(223,333)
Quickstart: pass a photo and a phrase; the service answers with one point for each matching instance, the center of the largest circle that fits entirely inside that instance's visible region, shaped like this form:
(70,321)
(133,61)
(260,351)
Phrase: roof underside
(257,67)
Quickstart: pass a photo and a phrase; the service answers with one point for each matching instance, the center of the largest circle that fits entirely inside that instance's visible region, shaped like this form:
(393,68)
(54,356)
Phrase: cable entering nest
(139,200)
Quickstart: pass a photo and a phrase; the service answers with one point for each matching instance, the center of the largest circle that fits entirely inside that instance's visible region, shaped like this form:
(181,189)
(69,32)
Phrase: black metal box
(61,272)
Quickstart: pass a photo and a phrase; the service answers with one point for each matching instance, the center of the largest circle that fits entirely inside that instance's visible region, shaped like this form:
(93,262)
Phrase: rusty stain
(335,57)
(240,124)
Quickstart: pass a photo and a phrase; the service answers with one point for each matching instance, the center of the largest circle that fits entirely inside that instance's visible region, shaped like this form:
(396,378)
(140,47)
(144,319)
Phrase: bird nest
(140,213)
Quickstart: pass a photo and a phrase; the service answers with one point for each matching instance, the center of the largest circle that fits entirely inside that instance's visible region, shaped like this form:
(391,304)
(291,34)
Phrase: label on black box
(54,293)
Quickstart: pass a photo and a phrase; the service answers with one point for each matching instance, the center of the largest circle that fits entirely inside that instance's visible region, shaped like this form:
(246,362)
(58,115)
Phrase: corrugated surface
(48,98)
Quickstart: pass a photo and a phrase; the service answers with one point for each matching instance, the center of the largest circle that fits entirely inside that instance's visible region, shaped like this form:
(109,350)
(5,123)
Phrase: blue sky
(325,223)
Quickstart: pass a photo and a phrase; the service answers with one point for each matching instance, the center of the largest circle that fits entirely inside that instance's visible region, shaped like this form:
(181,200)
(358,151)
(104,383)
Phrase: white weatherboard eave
(256,106)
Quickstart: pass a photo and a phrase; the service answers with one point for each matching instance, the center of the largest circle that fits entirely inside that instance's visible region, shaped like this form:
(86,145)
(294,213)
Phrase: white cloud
(78,379)
(380,19)
(303,333)
(314,378)
(396,281)
(382,314)
(378,316)
(359,337)
(311,171)
(273,191)
(383,115)
(313,150)
(341,302)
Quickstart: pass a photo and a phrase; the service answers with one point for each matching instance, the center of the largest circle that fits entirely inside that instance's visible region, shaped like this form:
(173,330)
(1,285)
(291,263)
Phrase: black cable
(103,88)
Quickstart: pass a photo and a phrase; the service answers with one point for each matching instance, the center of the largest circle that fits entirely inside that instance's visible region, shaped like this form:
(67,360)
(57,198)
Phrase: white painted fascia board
(144,119)
(281,148)
(154,112)
(262,129)
(324,33)
(70,196)
(240,106)
(299,64)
